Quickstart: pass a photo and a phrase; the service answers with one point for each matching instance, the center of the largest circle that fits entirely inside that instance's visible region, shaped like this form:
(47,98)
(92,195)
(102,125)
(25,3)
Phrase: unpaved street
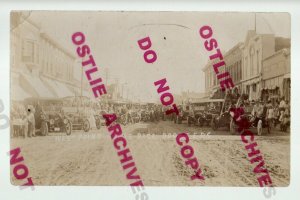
(90,159)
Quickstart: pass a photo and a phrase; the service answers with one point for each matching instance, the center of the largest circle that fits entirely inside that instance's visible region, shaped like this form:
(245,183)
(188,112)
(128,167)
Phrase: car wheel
(232,127)
(98,124)
(68,128)
(86,126)
(200,123)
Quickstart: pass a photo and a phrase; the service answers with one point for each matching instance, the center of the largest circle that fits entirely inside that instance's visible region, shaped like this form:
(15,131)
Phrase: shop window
(248,89)
(252,68)
(254,88)
(28,51)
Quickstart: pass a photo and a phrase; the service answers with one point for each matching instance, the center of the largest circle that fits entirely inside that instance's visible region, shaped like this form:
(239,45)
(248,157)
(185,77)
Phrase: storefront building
(276,76)
(233,60)
(212,86)
(39,66)
(254,50)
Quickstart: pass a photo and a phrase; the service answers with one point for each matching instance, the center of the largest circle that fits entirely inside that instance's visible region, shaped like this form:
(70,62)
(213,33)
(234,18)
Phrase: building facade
(259,67)
(233,60)
(40,67)
(55,61)
(211,82)
(254,50)
(276,76)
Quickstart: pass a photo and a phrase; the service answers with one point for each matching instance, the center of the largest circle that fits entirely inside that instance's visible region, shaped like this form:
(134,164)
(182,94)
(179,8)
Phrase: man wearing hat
(31,121)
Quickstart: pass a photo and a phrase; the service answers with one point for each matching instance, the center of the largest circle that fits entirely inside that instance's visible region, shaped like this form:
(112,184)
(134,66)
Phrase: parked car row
(198,113)
(58,115)
(215,113)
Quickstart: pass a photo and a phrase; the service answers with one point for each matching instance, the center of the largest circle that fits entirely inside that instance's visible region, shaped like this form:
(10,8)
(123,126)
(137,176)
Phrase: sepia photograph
(117,98)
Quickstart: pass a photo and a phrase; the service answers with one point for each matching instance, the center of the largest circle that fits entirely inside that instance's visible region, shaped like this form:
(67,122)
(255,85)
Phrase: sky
(181,55)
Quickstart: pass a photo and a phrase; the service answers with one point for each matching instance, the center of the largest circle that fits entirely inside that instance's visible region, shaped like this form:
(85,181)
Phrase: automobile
(221,116)
(80,112)
(222,120)
(225,118)
(203,111)
(56,122)
(100,121)
(183,114)
(196,115)
(257,124)
(49,115)
(78,118)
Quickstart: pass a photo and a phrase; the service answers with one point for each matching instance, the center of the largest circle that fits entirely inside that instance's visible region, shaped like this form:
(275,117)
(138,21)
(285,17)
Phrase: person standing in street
(270,116)
(282,105)
(31,121)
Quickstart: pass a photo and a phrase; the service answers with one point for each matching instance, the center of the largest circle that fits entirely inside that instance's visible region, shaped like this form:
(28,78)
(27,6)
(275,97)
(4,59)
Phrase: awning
(16,92)
(63,90)
(35,86)
(77,92)
(60,89)
(87,94)
(287,76)
(252,81)
(272,84)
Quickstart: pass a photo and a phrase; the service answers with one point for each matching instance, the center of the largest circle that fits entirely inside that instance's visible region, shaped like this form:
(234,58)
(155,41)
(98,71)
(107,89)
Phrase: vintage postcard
(150,98)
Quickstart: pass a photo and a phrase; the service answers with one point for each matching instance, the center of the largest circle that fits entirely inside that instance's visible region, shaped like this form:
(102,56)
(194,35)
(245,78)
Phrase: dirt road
(90,159)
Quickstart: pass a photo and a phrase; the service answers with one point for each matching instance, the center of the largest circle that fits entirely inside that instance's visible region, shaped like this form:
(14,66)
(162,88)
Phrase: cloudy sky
(113,37)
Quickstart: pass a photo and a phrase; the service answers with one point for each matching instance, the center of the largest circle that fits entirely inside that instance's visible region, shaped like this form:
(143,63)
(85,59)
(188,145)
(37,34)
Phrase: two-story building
(255,49)
(233,60)
(40,67)
(276,76)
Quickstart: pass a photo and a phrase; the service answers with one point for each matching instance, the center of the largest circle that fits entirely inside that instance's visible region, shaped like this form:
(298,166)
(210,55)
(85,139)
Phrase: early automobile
(221,116)
(49,115)
(229,107)
(81,114)
(56,122)
(202,111)
(100,120)
(183,114)
(257,123)
(222,120)
(196,114)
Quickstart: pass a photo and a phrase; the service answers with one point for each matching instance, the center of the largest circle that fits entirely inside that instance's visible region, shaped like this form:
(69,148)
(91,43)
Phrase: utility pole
(255,22)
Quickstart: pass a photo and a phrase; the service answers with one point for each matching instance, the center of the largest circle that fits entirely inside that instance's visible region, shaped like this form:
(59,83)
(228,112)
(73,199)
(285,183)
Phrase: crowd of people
(24,117)
(134,113)
(23,120)
(274,113)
